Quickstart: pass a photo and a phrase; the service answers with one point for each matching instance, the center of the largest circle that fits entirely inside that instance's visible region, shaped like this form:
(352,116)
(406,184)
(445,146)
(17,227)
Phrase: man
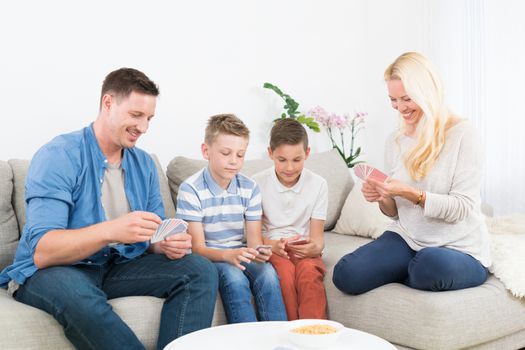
(93,203)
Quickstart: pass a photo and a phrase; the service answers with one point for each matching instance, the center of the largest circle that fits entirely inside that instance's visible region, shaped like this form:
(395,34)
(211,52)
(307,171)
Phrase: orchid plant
(334,124)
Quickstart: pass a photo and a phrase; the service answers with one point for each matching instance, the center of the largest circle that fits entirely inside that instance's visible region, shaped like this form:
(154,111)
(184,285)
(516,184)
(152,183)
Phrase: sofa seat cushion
(420,319)
(26,327)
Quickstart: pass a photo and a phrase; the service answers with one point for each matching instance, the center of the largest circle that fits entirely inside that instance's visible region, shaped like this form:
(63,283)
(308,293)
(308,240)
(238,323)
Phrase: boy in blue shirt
(223,211)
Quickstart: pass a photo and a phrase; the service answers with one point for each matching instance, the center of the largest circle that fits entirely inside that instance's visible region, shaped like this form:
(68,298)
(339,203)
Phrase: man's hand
(137,226)
(174,247)
(236,256)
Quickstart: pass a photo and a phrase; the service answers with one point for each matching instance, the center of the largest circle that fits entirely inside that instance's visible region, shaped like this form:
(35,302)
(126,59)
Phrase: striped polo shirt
(222,212)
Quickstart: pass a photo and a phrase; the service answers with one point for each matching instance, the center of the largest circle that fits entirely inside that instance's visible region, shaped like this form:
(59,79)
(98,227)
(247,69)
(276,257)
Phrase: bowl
(296,333)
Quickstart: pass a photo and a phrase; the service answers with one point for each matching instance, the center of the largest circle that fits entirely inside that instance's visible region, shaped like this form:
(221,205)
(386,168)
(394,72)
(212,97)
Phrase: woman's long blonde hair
(423,86)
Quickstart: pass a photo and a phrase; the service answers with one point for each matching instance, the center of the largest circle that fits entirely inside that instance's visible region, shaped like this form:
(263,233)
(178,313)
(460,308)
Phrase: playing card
(364,171)
(167,228)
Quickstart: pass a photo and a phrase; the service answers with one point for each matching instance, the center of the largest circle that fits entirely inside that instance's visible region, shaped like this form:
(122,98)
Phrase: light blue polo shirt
(221,212)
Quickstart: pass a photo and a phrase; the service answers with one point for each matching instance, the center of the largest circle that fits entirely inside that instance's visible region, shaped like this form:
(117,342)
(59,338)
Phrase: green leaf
(274,88)
(314,127)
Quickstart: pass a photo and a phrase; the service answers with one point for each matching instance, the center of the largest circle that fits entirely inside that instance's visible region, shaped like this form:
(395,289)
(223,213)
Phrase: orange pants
(302,286)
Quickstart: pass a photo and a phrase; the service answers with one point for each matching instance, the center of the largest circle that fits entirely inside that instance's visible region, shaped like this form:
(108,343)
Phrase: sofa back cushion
(327,164)
(19,168)
(169,207)
(9,233)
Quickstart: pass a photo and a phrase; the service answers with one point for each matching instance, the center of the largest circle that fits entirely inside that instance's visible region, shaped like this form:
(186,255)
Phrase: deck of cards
(167,228)
(365,172)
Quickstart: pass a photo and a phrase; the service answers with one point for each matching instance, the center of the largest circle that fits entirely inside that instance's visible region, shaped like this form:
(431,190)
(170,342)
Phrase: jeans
(302,286)
(389,259)
(236,289)
(76,296)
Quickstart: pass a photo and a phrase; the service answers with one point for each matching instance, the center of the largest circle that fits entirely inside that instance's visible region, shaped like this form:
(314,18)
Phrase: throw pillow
(361,218)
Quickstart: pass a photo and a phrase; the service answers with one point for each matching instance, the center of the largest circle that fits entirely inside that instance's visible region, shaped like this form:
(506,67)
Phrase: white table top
(267,336)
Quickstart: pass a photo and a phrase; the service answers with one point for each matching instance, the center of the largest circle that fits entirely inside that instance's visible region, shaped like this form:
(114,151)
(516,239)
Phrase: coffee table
(267,336)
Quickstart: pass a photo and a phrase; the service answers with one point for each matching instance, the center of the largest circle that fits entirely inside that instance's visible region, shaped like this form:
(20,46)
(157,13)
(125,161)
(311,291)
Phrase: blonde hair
(227,124)
(423,86)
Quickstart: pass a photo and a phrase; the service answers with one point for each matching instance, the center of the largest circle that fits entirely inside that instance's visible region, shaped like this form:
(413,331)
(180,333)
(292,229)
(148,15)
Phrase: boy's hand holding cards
(265,251)
(365,172)
(260,247)
(167,228)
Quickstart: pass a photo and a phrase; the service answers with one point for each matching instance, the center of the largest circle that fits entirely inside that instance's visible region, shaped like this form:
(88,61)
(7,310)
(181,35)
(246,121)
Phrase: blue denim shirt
(63,191)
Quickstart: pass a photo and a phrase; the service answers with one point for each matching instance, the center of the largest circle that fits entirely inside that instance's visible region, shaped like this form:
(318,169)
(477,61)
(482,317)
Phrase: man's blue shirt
(63,191)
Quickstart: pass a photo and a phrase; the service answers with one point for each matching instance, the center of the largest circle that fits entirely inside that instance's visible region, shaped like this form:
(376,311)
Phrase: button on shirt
(63,191)
(287,210)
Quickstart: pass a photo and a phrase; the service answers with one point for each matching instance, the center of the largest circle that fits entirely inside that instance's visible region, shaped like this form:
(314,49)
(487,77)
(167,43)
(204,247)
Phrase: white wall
(207,56)
(212,57)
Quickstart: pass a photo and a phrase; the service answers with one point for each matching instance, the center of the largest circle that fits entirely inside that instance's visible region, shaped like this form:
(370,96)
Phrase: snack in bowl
(314,333)
(315,329)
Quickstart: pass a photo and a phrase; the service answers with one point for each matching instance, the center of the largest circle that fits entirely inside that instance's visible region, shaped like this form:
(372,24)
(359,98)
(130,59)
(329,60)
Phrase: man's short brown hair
(227,124)
(122,82)
(288,131)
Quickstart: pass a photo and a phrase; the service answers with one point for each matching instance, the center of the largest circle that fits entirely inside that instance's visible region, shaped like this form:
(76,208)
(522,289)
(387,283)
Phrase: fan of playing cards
(167,228)
(364,172)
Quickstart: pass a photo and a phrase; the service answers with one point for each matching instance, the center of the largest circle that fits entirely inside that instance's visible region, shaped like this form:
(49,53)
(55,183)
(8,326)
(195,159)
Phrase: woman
(438,240)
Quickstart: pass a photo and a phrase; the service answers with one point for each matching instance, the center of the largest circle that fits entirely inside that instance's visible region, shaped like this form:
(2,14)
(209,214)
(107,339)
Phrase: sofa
(485,317)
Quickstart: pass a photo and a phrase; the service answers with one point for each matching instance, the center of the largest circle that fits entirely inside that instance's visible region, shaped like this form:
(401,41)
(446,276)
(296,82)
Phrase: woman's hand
(388,189)
(370,193)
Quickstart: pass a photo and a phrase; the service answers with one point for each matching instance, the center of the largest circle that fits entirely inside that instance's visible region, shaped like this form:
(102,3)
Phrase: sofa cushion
(328,164)
(361,218)
(169,207)
(9,233)
(26,327)
(20,168)
(420,319)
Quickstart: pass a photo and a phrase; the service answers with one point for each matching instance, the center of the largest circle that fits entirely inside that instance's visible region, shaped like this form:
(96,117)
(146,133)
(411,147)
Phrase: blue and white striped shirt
(221,212)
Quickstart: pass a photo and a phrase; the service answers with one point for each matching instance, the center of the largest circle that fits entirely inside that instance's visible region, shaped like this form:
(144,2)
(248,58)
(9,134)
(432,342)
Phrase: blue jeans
(236,289)
(389,259)
(76,296)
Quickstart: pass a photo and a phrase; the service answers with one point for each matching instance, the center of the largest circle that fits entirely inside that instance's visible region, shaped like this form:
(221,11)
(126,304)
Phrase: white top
(452,215)
(269,335)
(287,211)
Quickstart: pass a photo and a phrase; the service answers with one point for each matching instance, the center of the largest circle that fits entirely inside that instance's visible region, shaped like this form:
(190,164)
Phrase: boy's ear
(307,153)
(270,153)
(204,151)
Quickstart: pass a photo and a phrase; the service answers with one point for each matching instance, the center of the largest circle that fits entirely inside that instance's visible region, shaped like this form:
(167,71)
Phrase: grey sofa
(486,317)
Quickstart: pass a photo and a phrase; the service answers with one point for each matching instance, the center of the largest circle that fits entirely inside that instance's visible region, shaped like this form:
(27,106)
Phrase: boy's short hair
(122,82)
(288,131)
(227,124)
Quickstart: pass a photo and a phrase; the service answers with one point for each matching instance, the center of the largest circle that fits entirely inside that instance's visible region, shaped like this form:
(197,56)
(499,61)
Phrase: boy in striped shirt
(223,211)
